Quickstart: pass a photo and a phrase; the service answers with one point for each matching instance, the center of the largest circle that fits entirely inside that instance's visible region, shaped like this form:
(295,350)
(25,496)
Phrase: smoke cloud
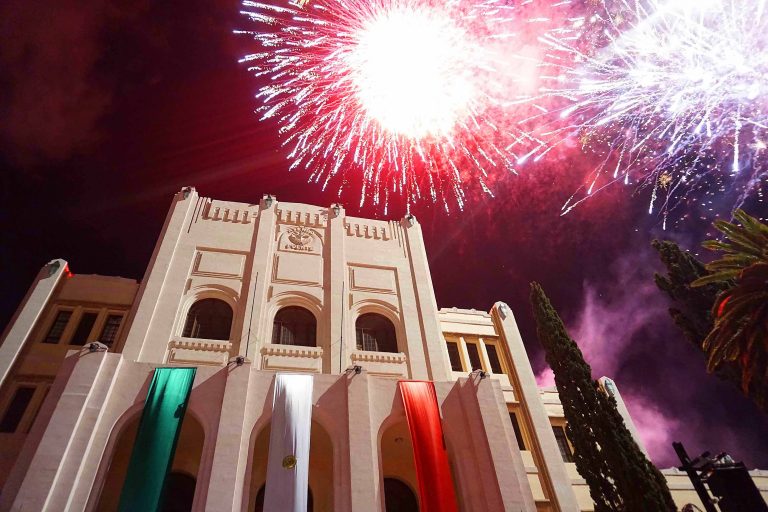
(625,333)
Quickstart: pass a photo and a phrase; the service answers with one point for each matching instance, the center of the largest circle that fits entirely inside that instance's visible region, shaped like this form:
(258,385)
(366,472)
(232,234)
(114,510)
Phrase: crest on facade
(300,238)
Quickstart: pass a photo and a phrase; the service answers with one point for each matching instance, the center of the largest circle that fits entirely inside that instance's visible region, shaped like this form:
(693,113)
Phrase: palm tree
(740,312)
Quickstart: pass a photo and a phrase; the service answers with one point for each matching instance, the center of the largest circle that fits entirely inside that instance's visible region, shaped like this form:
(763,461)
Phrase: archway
(186,462)
(320,470)
(396,462)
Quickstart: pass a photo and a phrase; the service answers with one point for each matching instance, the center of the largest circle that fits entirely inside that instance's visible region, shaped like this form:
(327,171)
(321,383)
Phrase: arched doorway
(320,492)
(397,464)
(186,463)
(398,497)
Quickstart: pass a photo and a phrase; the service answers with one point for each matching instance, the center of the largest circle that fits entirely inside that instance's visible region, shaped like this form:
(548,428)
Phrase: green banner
(156,439)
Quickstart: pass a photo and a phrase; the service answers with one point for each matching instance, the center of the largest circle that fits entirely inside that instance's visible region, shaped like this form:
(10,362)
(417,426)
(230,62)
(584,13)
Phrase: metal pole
(694,476)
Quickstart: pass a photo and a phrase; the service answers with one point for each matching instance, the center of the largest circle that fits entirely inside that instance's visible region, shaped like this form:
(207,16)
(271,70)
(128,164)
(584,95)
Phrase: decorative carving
(300,238)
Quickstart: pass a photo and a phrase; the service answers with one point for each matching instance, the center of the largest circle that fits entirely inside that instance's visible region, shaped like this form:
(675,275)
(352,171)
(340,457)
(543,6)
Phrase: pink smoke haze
(613,329)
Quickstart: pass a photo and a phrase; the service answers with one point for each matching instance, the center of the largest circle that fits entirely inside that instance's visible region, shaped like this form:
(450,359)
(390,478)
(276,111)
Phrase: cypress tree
(619,475)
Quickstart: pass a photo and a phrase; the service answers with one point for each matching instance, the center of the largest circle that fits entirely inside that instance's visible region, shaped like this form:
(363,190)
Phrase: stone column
(28,314)
(527,393)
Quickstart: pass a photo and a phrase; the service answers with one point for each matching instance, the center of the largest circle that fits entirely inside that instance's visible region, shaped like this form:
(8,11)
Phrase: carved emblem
(300,238)
(289,462)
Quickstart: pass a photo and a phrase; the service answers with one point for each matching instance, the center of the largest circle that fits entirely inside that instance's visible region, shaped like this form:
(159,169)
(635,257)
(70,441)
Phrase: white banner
(288,463)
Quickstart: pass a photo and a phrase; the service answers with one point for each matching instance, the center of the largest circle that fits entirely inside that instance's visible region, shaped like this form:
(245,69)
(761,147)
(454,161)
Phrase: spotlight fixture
(483,374)
(357,369)
(239,360)
(96,346)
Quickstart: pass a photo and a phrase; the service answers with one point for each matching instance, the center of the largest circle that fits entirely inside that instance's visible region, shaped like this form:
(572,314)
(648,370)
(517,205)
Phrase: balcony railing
(381,363)
(199,351)
(292,357)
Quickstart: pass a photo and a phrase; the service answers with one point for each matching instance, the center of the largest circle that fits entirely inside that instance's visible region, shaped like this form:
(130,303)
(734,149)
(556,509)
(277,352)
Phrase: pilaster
(60,452)
(439,368)
(158,272)
(230,457)
(337,291)
(256,306)
(553,472)
(28,314)
(363,446)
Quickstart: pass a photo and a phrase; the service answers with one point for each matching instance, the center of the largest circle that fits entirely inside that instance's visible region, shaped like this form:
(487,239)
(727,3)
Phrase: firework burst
(673,94)
(393,97)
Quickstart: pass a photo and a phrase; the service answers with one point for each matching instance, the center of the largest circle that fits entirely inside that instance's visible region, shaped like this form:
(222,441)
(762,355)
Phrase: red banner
(435,484)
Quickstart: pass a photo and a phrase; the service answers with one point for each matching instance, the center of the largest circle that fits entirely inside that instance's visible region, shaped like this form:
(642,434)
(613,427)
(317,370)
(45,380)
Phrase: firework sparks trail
(395,97)
(673,94)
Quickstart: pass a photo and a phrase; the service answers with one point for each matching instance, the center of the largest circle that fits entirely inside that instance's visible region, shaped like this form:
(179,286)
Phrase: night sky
(108,108)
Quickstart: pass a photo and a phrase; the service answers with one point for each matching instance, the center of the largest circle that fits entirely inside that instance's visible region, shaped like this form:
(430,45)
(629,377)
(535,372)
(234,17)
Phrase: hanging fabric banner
(156,438)
(436,493)
(288,461)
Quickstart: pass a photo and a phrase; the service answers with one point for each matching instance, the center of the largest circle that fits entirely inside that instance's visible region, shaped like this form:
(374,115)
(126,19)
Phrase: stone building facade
(242,291)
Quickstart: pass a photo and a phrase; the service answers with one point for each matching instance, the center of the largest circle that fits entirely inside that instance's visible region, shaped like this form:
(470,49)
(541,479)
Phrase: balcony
(387,364)
(292,357)
(199,351)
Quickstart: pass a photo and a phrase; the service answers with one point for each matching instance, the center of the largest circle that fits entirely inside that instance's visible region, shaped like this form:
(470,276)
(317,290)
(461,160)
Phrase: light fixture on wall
(483,374)
(357,369)
(336,207)
(97,346)
(239,360)
(268,200)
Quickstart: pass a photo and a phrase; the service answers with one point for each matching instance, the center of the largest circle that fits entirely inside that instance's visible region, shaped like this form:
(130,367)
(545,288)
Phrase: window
(210,319)
(474,356)
(493,358)
(562,443)
(109,331)
(294,326)
(84,328)
(453,355)
(375,333)
(518,432)
(58,326)
(16,408)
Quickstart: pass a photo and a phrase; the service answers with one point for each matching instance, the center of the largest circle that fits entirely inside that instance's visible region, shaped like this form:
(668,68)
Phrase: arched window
(398,497)
(209,319)
(294,326)
(375,333)
(179,492)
